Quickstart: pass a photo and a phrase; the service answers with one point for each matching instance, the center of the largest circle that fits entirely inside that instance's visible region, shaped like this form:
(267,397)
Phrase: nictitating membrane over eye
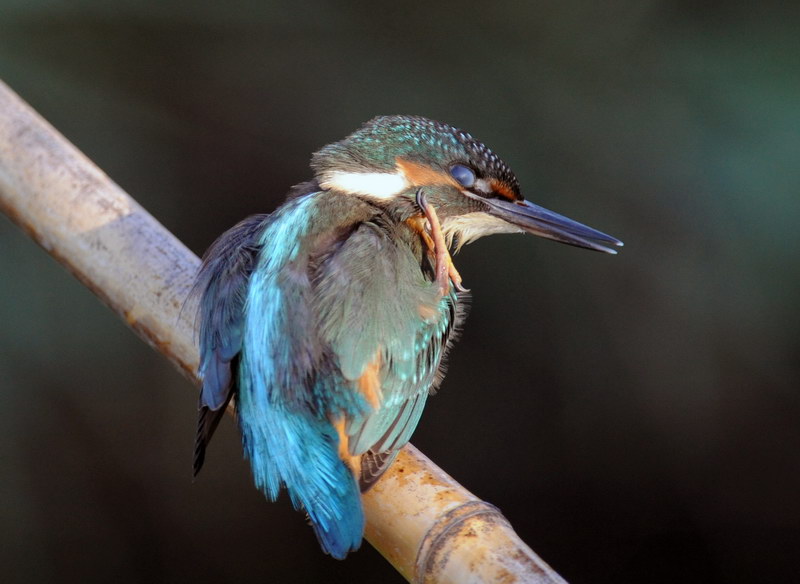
(464,175)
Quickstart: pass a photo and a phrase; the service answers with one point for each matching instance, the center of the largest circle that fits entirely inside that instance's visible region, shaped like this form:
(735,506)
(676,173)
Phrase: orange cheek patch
(420,175)
(503,190)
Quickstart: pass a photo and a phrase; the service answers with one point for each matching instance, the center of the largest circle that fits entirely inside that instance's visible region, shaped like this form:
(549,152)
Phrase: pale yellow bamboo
(428,526)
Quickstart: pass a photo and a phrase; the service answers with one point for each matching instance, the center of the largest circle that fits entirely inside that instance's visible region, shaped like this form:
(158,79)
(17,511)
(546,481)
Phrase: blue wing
(289,387)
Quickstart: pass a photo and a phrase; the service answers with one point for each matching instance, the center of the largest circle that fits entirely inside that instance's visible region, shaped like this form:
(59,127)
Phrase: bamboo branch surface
(427,525)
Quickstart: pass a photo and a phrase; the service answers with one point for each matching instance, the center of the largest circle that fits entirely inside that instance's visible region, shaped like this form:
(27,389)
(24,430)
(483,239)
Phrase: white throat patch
(378,185)
(467,228)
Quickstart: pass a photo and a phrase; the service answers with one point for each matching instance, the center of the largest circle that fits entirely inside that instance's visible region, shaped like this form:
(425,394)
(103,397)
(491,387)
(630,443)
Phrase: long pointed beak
(539,221)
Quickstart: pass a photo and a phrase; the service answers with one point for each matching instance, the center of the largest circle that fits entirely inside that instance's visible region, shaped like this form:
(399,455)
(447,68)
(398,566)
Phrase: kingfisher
(328,320)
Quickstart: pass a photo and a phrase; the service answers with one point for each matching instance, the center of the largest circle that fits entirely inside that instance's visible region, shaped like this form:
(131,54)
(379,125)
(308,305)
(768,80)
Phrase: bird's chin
(463,229)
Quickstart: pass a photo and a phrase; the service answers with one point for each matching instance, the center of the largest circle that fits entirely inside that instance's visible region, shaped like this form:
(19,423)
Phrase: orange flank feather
(370,384)
(353,462)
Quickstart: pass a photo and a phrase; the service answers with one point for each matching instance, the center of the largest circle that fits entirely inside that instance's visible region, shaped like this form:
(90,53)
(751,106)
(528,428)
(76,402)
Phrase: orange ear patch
(420,175)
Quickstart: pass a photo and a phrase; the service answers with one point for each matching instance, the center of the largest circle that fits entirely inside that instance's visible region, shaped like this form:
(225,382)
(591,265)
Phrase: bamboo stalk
(427,525)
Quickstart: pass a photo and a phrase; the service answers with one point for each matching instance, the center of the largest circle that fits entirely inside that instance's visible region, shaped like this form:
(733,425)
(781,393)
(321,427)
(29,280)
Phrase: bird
(327,321)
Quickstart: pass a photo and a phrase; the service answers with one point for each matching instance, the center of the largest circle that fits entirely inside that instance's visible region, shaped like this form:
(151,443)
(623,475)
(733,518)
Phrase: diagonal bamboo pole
(426,524)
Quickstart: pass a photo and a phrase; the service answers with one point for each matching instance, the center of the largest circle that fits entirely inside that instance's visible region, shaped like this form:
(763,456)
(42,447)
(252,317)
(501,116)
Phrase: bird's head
(474,192)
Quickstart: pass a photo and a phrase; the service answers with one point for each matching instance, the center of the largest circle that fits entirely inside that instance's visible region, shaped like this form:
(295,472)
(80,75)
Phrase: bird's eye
(463,174)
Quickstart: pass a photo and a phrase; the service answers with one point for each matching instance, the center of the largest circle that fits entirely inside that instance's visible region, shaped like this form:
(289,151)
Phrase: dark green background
(637,417)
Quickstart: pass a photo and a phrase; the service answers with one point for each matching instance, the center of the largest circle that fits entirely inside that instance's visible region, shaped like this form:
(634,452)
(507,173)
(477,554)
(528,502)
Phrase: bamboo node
(444,533)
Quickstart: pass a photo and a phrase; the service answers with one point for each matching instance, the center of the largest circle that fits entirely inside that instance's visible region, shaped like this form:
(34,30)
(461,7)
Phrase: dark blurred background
(637,417)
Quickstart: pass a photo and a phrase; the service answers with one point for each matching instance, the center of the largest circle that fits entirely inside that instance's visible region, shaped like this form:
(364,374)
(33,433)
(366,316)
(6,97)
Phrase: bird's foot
(445,269)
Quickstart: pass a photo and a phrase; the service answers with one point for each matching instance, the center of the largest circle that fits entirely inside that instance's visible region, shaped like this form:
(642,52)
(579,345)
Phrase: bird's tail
(342,536)
(299,451)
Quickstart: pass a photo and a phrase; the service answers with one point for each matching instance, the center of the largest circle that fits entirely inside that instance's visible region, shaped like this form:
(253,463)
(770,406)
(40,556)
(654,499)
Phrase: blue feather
(299,451)
(288,441)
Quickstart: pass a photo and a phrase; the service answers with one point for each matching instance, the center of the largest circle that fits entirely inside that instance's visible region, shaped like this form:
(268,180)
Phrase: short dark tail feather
(373,465)
(207,422)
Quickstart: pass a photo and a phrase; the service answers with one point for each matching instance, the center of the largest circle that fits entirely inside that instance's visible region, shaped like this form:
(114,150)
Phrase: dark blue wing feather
(222,286)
